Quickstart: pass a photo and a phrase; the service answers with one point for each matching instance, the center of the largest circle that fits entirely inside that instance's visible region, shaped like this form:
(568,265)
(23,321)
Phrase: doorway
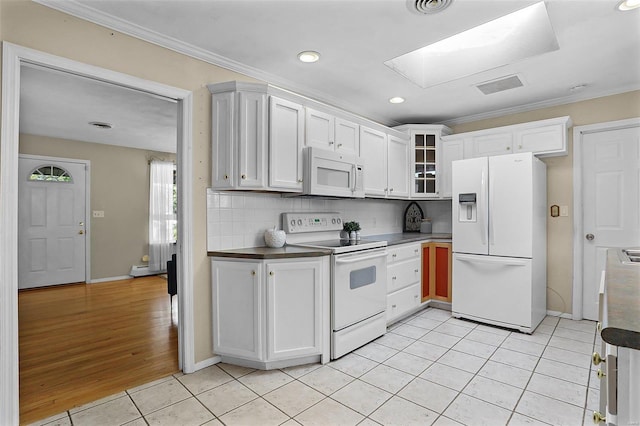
(606,198)
(13,59)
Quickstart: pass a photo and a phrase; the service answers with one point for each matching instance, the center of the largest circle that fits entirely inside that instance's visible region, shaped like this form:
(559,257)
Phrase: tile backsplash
(239,219)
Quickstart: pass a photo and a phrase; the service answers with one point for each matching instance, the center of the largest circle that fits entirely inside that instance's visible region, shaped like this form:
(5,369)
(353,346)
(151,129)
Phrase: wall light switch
(98,213)
(564,211)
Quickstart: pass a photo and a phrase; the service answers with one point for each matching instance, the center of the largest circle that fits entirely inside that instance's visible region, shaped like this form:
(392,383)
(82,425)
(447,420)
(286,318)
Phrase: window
(50,173)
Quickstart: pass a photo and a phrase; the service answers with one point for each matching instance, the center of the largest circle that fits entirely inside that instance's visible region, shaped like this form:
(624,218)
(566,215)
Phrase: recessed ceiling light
(101,125)
(308,56)
(396,100)
(628,5)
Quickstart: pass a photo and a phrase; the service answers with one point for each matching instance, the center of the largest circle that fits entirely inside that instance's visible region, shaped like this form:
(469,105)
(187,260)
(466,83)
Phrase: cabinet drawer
(403,252)
(402,274)
(402,301)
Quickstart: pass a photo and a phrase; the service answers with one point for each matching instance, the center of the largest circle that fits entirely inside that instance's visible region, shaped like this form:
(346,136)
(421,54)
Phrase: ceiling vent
(428,7)
(500,85)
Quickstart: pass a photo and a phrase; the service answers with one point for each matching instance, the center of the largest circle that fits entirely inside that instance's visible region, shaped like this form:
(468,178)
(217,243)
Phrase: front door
(610,189)
(51,221)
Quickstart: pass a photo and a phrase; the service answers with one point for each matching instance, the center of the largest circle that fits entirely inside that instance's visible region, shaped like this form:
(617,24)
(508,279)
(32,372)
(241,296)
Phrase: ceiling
(599,50)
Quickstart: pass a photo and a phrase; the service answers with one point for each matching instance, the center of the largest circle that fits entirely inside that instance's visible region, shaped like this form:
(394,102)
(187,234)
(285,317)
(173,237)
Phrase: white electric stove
(358,278)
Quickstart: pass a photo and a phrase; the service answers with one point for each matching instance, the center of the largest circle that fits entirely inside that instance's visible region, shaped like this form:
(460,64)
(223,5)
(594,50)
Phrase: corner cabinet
(427,164)
(256,139)
(386,164)
(270,313)
(436,271)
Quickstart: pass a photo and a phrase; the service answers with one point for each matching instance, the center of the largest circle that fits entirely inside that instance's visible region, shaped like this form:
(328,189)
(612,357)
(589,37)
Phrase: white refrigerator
(499,240)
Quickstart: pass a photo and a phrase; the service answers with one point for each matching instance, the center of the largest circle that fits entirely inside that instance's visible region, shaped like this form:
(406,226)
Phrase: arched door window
(50,173)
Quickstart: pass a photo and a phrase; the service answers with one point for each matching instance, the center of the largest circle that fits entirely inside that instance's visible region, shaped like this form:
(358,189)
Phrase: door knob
(590,237)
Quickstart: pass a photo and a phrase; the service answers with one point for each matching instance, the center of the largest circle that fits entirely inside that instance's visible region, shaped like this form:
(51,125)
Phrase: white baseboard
(559,314)
(102,280)
(207,362)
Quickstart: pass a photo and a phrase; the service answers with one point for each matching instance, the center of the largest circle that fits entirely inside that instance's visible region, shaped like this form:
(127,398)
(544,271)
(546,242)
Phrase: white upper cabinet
(286,133)
(425,159)
(327,131)
(347,136)
(545,138)
(222,139)
(450,151)
(373,151)
(386,164)
(397,167)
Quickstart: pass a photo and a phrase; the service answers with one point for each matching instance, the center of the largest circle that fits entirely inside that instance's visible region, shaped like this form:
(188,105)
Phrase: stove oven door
(359,287)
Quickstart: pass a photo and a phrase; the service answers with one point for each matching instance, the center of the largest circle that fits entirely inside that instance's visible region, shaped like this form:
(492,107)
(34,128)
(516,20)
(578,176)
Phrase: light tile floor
(428,369)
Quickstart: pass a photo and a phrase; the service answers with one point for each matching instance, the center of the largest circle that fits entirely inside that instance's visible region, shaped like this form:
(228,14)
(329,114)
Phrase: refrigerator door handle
(481,207)
(491,260)
(490,218)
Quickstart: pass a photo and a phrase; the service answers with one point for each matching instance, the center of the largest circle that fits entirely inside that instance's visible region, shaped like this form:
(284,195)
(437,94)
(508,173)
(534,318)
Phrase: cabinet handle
(339,145)
(394,255)
(508,148)
(600,374)
(393,278)
(386,189)
(416,251)
(299,180)
(226,176)
(599,326)
(519,146)
(253,272)
(391,190)
(596,358)
(393,306)
(271,273)
(598,418)
(416,270)
(330,142)
(243,176)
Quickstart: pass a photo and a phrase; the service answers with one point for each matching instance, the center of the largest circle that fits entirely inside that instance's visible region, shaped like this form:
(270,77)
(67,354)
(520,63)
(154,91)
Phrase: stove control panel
(294,223)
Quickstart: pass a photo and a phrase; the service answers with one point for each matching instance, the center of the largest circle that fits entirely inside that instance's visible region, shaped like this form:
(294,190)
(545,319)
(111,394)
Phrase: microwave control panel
(293,223)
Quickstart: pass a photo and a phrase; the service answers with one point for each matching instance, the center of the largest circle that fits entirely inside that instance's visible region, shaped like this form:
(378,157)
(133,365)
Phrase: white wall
(239,219)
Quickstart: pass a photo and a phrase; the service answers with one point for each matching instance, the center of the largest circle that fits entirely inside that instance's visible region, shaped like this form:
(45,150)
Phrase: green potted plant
(351,230)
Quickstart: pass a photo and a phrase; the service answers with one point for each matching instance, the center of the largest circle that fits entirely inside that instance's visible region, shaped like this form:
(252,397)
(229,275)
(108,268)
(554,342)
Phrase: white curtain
(161,215)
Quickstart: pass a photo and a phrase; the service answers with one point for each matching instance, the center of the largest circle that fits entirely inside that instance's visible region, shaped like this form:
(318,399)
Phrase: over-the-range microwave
(332,173)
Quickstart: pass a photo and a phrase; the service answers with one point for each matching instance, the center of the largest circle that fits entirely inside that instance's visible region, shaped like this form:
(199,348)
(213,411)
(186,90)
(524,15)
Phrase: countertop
(286,252)
(621,327)
(409,237)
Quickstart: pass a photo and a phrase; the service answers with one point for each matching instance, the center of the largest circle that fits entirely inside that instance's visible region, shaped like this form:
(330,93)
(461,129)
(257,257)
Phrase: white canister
(274,238)
(425,226)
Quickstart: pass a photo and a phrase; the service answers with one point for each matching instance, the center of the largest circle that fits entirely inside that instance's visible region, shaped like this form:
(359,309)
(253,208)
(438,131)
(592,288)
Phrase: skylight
(522,34)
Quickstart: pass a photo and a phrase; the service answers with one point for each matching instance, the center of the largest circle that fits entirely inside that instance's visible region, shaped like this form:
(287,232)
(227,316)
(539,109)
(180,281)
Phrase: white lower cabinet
(271,313)
(403,280)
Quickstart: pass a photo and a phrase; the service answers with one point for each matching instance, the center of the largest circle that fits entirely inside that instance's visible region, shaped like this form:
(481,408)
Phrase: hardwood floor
(82,342)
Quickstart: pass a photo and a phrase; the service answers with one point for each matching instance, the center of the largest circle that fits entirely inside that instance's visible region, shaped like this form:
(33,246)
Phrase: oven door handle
(360,259)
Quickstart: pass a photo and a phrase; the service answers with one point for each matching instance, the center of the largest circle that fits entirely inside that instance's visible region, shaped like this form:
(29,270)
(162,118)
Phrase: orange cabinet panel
(436,271)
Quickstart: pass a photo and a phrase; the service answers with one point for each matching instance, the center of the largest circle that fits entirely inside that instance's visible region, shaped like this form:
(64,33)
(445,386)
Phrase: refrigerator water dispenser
(468,207)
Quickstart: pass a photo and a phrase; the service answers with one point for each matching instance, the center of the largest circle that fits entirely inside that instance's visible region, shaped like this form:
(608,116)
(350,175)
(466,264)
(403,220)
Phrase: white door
(286,139)
(511,205)
(373,151)
(610,191)
(347,136)
(470,220)
(319,128)
(51,222)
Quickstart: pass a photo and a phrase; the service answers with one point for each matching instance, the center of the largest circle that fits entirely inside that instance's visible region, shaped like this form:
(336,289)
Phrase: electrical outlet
(564,211)
(98,213)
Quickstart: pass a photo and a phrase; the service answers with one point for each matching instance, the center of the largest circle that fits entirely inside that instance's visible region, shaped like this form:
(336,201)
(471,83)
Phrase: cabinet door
(347,136)
(223,132)
(319,129)
(496,144)
(252,140)
(237,326)
(549,140)
(286,133)
(294,309)
(397,167)
(424,157)
(449,152)
(373,151)
(436,271)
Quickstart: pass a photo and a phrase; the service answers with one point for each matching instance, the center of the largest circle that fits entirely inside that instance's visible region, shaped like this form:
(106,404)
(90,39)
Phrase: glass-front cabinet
(425,158)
